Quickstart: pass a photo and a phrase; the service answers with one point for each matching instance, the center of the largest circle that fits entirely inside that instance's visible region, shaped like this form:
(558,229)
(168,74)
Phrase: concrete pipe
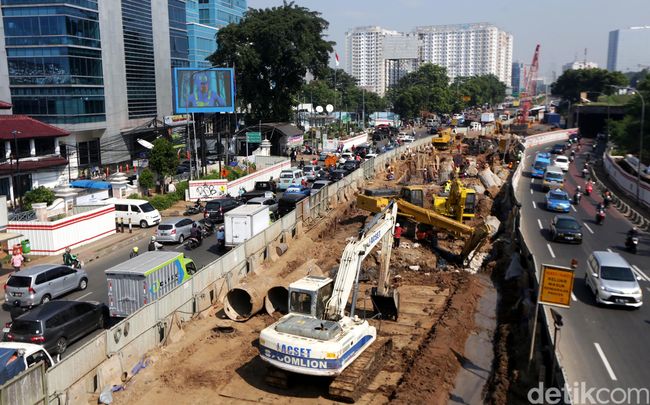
(245,300)
(281,249)
(277,297)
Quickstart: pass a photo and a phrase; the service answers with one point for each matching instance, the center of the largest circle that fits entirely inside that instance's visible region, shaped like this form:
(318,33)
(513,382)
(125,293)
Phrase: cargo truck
(244,222)
(144,279)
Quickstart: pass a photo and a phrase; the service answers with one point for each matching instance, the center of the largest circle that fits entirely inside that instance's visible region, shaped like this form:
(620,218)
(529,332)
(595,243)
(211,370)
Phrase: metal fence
(29,388)
(101,361)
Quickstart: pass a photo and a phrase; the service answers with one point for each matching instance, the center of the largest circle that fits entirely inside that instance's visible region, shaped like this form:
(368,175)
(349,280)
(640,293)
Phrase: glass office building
(219,13)
(202,43)
(178,34)
(54,60)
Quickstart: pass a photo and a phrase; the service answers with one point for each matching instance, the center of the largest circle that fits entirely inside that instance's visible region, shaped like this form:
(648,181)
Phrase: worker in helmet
(134,252)
(397,234)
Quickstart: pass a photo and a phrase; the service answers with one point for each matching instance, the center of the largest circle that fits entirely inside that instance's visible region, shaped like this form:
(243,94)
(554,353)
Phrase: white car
(562,162)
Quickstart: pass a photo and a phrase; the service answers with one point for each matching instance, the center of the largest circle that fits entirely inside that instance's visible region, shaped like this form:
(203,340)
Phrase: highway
(602,347)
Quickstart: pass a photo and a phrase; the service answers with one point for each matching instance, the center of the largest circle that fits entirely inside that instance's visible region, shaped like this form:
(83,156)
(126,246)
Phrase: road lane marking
(609,250)
(534,205)
(179,246)
(83,296)
(588,228)
(605,362)
(539,222)
(531,191)
(574,209)
(641,273)
(550,250)
(573,297)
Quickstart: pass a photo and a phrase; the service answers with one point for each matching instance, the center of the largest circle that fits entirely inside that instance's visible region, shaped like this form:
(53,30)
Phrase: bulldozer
(457,201)
(410,204)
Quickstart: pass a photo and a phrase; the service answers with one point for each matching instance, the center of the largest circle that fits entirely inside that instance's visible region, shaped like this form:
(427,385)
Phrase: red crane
(526,97)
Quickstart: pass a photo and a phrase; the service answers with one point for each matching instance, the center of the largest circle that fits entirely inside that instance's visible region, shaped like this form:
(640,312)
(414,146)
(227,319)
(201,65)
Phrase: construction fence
(116,354)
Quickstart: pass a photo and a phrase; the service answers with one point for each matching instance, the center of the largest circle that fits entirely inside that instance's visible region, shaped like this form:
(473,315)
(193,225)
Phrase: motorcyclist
(134,252)
(68,257)
(195,232)
(197,204)
(589,187)
(577,195)
(221,237)
(607,199)
(153,245)
(633,233)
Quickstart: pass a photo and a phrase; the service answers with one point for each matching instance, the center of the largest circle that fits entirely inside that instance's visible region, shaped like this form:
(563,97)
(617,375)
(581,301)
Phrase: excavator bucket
(386,305)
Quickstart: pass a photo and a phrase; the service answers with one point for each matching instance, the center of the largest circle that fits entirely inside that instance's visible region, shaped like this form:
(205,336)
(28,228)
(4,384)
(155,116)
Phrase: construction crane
(526,97)
(317,337)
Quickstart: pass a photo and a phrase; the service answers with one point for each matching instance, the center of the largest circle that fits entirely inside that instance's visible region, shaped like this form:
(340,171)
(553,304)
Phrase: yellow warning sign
(556,285)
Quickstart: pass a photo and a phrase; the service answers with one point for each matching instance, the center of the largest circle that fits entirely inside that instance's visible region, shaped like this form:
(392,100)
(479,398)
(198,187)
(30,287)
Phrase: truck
(244,222)
(487,117)
(145,278)
(259,190)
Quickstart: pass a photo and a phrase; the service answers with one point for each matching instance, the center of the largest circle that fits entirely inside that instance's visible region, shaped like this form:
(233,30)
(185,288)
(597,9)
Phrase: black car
(351,165)
(214,209)
(566,228)
(56,324)
(337,175)
(288,203)
(557,149)
(322,175)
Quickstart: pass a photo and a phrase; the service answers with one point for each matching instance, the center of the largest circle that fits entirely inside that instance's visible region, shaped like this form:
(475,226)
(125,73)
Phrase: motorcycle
(571,157)
(577,197)
(631,243)
(588,189)
(193,209)
(207,229)
(607,200)
(600,217)
(74,262)
(585,172)
(192,243)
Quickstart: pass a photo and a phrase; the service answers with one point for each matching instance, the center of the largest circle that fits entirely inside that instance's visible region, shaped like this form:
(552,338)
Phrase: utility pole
(16,178)
(363,108)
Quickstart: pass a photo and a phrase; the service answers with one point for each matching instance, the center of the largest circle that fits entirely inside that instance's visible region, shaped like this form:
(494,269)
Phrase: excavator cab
(414,195)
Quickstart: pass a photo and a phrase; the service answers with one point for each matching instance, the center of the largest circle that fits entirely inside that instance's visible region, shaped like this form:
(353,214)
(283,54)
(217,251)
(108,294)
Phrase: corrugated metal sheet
(289,221)
(173,300)
(77,364)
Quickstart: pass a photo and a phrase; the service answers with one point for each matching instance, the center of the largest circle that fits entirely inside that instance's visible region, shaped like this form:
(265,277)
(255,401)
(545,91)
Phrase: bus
(542,160)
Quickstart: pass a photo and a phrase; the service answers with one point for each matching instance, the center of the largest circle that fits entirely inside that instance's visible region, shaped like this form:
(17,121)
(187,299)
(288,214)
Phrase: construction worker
(397,235)
(205,97)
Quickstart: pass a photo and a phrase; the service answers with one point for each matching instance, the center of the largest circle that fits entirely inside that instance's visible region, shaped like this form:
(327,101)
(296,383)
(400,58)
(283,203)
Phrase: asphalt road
(602,347)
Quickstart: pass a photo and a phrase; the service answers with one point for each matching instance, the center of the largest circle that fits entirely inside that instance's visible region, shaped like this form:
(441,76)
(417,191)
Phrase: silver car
(310,171)
(318,185)
(271,202)
(174,230)
(612,280)
(39,284)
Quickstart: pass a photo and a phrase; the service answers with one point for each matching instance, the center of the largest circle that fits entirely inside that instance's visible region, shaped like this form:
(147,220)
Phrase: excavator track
(277,378)
(351,383)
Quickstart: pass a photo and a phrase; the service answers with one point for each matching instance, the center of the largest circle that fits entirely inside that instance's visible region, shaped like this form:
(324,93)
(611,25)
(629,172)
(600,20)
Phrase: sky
(563,28)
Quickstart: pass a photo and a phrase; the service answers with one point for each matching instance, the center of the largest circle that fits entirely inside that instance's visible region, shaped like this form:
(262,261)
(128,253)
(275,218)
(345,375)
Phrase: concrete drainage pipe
(277,297)
(245,300)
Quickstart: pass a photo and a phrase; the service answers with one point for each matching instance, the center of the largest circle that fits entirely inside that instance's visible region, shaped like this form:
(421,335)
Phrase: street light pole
(16,178)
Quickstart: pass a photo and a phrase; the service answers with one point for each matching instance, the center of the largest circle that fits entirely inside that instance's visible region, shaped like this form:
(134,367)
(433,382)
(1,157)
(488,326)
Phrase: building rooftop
(27,128)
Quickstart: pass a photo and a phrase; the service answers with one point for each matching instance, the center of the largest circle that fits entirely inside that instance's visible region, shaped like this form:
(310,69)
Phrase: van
(553,178)
(139,212)
(39,284)
(612,280)
(289,177)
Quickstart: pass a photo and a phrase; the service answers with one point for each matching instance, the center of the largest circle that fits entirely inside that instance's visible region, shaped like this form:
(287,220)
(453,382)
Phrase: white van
(290,177)
(140,212)
(553,178)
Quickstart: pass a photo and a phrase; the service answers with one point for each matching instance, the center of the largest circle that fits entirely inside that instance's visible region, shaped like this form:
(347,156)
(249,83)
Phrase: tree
(272,50)
(426,89)
(40,194)
(626,132)
(146,180)
(163,159)
(573,82)
(483,89)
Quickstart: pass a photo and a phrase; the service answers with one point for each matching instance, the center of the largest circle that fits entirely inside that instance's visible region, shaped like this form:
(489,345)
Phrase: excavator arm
(380,229)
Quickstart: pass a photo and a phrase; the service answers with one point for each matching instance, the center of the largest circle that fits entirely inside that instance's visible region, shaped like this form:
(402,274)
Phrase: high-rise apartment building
(628,49)
(97,69)
(464,49)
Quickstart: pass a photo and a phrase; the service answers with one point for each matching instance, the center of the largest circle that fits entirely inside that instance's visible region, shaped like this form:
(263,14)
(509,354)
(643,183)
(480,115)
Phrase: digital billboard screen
(204,90)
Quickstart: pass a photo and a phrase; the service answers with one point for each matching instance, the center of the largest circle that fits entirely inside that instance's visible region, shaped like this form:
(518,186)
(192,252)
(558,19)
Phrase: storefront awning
(101,185)
(5,236)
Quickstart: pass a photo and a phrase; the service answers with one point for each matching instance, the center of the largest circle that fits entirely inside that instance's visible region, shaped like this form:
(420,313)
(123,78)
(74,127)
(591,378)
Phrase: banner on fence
(208,189)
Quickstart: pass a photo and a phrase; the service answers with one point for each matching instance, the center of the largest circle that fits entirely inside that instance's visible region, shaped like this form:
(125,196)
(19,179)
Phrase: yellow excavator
(443,139)
(410,204)
(457,201)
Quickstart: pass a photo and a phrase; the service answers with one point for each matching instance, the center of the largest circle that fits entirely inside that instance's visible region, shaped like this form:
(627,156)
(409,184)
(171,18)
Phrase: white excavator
(319,337)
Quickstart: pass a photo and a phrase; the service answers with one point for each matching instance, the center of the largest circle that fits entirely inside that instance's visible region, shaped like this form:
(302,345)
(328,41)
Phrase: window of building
(89,153)
(44,146)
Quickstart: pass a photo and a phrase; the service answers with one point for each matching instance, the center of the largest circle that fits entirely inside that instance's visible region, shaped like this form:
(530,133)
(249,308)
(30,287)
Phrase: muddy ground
(205,365)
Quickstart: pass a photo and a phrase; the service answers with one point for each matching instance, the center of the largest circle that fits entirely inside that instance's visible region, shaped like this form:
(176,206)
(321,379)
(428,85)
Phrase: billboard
(204,90)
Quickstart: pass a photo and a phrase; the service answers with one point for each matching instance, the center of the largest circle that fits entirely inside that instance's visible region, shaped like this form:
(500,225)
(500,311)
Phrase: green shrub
(38,195)
(146,179)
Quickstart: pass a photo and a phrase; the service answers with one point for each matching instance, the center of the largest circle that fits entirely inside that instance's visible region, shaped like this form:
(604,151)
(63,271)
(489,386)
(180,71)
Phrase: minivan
(140,212)
(58,323)
(39,284)
(612,280)
(174,230)
(553,178)
(289,177)
(288,203)
(214,209)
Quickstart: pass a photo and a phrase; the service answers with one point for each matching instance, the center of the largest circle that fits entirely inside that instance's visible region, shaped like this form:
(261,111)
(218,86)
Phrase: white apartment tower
(464,49)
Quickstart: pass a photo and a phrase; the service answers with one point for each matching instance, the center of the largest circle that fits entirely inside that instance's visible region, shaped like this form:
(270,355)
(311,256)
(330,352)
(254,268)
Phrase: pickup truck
(259,190)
